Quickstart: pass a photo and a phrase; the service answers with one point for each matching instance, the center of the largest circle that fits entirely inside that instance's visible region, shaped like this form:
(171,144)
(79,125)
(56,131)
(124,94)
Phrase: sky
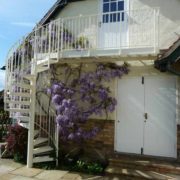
(17,19)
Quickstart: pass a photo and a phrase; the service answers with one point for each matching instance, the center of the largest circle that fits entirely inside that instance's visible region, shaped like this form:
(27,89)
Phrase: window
(112,11)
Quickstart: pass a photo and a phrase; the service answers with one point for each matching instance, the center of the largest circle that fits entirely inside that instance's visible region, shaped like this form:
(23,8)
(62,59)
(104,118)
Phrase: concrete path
(9,170)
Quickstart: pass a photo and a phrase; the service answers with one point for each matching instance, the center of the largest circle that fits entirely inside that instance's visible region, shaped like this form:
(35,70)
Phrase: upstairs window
(113,11)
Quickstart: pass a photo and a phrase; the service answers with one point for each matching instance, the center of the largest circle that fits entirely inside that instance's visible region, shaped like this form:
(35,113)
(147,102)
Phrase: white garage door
(146,116)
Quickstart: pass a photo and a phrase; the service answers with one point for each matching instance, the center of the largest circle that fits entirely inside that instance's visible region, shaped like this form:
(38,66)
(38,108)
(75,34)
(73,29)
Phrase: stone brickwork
(104,141)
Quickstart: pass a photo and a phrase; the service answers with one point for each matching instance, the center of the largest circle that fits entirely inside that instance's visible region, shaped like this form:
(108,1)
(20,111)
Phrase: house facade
(101,31)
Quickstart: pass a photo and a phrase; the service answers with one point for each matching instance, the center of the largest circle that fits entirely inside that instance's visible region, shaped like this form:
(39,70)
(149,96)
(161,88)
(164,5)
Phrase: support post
(32,108)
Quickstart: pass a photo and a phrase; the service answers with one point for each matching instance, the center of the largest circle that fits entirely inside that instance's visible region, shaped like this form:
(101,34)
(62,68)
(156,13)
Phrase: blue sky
(17,18)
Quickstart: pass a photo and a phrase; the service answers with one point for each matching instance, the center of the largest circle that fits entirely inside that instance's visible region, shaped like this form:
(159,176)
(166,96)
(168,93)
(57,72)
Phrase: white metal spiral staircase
(22,68)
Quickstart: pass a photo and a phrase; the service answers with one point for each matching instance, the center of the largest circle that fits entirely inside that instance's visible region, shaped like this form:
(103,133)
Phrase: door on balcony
(113,24)
(146,116)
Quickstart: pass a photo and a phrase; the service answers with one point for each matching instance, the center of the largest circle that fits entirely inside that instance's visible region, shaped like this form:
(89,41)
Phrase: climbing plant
(79,94)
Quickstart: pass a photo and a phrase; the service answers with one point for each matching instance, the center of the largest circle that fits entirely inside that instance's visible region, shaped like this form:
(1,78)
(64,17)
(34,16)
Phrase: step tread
(146,165)
(23,118)
(137,173)
(23,85)
(42,149)
(36,132)
(29,76)
(40,140)
(145,162)
(25,125)
(18,110)
(21,94)
(42,159)
(18,102)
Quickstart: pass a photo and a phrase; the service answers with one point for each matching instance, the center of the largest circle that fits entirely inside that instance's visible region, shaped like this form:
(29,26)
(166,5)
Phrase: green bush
(91,168)
(17,139)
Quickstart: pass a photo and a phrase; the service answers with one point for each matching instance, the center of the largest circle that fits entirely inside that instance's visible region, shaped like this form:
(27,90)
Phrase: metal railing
(126,29)
(45,122)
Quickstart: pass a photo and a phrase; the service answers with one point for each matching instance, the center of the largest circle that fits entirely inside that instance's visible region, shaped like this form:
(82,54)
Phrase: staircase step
(43,149)
(19,110)
(23,85)
(25,125)
(42,159)
(21,94)
(46,60)
(41,69)
(40,141)
(18,102)
(146,165)
(136,174)
(36,133)
(23,118)
(30,77)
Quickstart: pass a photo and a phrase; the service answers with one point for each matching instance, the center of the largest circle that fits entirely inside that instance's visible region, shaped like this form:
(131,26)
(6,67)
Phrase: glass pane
(106,18)
(121,6)
(120,17)
(105,0)
(113,17)
(113,6)
(105,7)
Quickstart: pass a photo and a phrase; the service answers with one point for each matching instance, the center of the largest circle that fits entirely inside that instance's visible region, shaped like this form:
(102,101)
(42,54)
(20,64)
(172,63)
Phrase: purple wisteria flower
(82,95)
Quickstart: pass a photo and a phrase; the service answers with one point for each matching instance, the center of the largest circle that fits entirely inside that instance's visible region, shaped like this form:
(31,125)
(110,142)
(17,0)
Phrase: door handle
(146,116)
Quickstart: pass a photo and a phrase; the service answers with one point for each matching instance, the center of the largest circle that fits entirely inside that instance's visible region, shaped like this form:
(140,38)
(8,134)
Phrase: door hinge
(142,79)
(142,151)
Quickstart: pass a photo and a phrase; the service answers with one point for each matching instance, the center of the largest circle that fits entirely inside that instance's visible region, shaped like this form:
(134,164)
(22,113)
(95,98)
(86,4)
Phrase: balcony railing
(137,29)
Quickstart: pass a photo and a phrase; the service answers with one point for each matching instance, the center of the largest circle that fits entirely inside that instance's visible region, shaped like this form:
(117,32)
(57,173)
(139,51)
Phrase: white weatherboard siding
(73,9)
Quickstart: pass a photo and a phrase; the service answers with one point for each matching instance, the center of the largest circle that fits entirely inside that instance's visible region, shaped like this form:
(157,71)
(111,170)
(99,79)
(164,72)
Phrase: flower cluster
(81,97)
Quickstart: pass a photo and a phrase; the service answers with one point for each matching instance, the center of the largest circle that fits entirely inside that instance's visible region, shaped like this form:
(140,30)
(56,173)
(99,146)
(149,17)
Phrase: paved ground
(9,170)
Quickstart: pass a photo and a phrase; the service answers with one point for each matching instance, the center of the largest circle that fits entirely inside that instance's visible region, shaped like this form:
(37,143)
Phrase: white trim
(115,114)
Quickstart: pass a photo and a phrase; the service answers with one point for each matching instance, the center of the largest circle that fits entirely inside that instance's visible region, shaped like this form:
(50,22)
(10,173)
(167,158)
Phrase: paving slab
(27,172)
(7,176)
(71,176)
(10,163)
(22,178)
(51,174)
(6,169)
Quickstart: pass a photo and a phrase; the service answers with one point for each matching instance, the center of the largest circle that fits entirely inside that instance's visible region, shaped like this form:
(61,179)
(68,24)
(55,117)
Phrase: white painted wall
(87,7)
(169,18)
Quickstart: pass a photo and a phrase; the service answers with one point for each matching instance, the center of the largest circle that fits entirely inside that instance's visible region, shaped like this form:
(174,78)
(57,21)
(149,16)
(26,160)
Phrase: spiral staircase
(22,69)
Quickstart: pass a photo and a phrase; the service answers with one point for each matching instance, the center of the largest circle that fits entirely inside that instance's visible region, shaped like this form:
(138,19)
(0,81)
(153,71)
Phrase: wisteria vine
(82,94)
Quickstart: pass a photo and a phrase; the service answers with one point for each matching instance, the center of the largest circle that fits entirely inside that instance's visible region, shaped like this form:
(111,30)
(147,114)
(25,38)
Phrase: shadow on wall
(169,8)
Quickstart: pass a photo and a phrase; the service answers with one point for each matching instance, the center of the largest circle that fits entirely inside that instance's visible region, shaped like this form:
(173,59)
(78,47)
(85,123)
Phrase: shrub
(91,168)
(17,142)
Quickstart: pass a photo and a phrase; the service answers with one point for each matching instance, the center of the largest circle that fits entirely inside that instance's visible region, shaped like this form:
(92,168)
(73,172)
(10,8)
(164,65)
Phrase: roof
(58,6)
(169,59)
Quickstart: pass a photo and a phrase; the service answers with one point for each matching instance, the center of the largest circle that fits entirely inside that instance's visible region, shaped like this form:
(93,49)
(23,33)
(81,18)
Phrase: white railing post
(62,32)
(50,42)
(32,111)
(57,143)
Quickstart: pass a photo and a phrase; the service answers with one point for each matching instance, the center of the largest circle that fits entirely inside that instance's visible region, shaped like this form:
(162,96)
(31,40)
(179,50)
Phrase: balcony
(123,33)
